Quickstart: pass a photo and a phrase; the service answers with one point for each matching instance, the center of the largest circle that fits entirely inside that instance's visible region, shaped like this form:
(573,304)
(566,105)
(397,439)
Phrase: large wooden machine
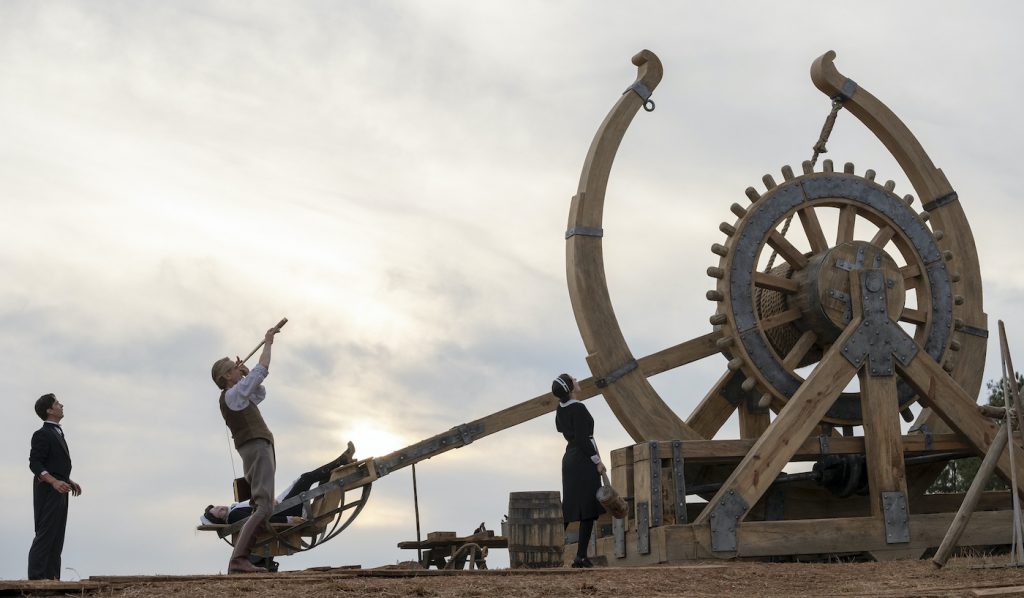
(887,295)
(867,288)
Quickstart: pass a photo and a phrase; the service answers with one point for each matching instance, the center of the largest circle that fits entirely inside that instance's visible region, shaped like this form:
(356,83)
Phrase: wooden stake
(963,516)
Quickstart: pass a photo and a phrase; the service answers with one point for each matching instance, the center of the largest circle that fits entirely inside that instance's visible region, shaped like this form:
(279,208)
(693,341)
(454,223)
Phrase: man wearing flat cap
(242,391)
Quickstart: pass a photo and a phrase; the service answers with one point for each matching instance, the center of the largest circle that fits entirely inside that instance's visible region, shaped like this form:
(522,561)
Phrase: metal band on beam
(616,374)
(941,201)
(972,330)
(587,231)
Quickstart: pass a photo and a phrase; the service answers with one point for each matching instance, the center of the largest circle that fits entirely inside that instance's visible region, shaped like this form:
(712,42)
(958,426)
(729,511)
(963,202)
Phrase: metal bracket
(643,528)
(616,374)
(972,330)
(619,537)
(823,443)
(680,481)
(586,231)
(941,201)
(847,90)
(456,437)
(656,506)
(725,516)
(877,338)
(897,519)
(465,433)
(645,94)
(928,439)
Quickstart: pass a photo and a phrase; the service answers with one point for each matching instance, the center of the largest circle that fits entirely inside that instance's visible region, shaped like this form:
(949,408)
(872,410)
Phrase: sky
(394,177)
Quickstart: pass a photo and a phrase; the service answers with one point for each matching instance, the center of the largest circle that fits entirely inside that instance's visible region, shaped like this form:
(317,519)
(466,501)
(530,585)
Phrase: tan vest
(245,425)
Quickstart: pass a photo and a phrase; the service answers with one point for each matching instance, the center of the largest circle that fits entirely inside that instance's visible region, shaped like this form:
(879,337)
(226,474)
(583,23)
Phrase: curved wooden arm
(631,397)
(937,197)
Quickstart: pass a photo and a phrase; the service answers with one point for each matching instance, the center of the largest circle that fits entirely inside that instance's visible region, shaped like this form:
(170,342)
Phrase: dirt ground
(960,577)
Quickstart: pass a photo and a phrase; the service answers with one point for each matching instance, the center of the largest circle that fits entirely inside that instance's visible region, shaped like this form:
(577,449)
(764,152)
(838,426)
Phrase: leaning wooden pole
(1011,401)
(963,516)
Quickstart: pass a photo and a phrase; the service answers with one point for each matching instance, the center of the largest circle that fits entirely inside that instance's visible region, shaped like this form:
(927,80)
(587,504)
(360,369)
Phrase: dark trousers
(51,517)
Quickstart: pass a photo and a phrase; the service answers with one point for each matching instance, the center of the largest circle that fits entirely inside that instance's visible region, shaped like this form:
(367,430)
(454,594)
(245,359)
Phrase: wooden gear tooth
(714,295)
(739,210)
(748,384)
(848,168)
(826,166)
(869,174)
(925,216)
(735,364)
(719,249)
(718,319)
(948,366)
(769,182)
(716,272)
(807,167)
(908,199)
(727,228)
(954,276)
(725,342)
(938,235)
(752,194)
(958,299)
(889,185)
(907,415)
(947,255)
(787,172)
(765,401)
(954,345)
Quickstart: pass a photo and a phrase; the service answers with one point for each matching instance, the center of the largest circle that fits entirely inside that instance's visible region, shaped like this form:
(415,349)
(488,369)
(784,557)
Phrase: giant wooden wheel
(883,293)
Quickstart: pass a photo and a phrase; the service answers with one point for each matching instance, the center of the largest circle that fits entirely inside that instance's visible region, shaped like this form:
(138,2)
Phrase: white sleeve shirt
(249,389)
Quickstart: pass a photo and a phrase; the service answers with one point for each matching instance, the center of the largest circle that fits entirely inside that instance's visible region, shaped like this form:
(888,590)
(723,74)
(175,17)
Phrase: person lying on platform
(220,514)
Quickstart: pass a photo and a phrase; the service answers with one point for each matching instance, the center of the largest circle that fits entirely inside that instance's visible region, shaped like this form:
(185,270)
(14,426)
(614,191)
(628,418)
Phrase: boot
(239,562)
(324,472)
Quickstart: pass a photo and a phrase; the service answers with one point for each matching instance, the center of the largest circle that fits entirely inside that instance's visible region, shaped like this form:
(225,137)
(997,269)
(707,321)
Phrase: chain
(819,148)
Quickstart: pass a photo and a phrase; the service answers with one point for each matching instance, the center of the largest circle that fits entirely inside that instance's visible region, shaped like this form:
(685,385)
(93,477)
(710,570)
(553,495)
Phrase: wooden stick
(1011,398)
(279,326)
(963,516)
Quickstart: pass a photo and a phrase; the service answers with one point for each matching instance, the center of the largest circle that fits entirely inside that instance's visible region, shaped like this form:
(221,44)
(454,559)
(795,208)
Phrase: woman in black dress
(581,464)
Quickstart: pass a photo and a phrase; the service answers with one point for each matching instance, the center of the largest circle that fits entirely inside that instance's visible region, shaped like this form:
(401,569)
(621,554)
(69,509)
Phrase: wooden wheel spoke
(786,250)
(777,320)
(883,236)
(799,350)
(716,408)
(812,227)
(775,283)
(911,276)
(847,219)
(914,316)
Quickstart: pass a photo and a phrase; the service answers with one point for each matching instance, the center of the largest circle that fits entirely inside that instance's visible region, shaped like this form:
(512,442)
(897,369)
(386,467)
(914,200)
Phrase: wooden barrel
(535,530)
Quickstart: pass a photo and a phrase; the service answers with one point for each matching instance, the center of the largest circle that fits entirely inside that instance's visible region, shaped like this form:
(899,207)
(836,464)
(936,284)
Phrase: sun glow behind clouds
(371,439)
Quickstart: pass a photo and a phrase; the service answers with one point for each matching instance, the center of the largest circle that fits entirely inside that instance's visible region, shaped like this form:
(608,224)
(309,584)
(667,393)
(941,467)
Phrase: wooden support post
(883,444)
(963,515)
(754,420)
(786,433)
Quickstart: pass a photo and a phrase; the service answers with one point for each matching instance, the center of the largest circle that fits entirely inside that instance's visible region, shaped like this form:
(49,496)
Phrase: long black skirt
(580,482)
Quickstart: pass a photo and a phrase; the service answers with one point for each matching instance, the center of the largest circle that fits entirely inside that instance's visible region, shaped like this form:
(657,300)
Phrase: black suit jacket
(50,453)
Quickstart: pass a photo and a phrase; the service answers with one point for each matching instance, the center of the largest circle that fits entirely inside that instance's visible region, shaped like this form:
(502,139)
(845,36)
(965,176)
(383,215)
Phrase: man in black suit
(50,462)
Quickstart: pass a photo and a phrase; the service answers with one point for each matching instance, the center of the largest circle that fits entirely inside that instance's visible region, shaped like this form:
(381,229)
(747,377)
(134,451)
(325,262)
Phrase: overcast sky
(394,177)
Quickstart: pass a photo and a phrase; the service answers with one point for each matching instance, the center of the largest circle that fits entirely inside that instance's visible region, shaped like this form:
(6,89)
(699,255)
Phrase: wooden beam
(847,221)
(714,409)
(795,421)
(883,444)
(799,349)
(940,392)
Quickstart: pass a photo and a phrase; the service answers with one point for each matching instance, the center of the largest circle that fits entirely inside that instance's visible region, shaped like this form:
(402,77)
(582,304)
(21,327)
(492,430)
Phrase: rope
(231,454)
(819,148)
